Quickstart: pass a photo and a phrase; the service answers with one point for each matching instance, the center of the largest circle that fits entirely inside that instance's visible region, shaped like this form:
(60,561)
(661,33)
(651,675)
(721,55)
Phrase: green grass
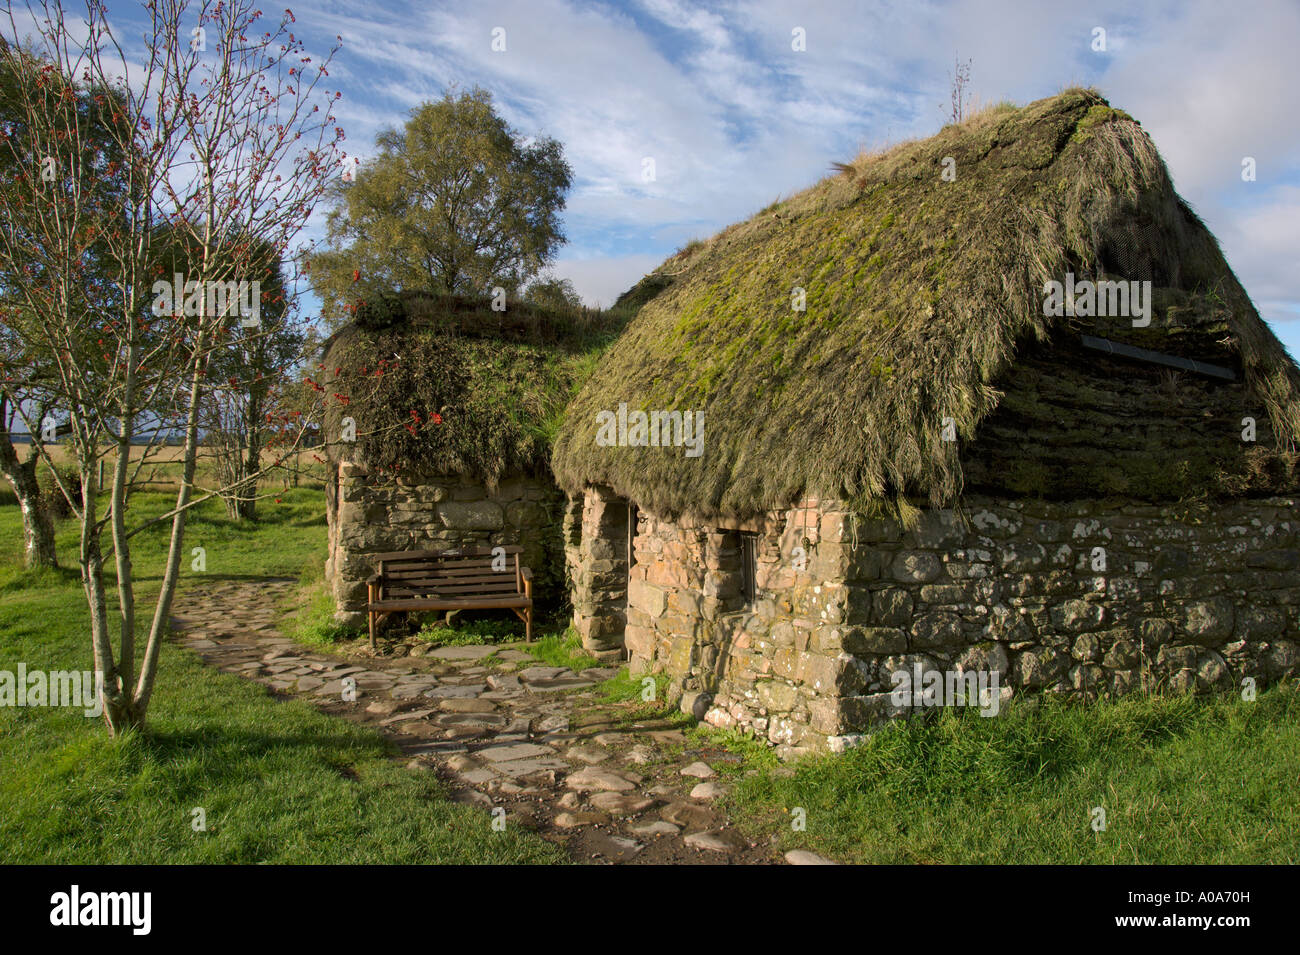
(310,613)
(278,781)
(754,754)
(623,688)
(1182,780)
(562,650)
(470,632)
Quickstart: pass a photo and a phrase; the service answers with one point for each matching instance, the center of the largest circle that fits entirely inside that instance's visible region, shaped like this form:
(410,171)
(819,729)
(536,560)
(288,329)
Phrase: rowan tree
(225,139)
(30,160)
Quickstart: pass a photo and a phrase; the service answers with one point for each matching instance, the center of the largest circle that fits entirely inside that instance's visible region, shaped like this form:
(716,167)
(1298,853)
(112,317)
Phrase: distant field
(162,469)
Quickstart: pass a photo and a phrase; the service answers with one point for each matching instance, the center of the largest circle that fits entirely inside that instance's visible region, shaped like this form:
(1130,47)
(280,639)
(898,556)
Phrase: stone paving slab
(513,751)
(450,692)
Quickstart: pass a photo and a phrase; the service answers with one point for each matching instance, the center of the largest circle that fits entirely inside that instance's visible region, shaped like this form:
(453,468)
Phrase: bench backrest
(463,572)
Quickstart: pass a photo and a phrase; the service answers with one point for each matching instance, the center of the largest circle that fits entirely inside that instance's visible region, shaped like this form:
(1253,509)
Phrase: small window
(749,566)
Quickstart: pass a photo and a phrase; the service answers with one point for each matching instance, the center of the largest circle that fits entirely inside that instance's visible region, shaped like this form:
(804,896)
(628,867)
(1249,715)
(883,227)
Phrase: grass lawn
(1182,780)
(278,781)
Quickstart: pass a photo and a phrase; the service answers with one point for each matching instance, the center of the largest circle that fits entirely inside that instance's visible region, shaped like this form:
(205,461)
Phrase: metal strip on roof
(1155,357)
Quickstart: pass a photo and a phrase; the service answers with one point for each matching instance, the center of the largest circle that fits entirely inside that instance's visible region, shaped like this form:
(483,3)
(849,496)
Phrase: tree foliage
(554,293)
(456,202)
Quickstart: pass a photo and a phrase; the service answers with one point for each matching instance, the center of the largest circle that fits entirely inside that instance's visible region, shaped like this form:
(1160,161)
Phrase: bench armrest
(375,580)
(526,573)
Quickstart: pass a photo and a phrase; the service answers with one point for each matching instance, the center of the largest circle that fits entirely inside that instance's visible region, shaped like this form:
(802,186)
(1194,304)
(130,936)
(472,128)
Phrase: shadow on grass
(25,581)
(215,754)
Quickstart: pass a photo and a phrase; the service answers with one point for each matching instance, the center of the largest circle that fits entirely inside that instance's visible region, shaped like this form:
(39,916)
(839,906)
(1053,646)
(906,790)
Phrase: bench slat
(454,583)
(445,554)
(416,570)
(430,573)
(394,592)
(421,603)
(452,562)
(458,581)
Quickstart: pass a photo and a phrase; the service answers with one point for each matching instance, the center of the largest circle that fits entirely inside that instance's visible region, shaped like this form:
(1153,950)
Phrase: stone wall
(1076,598)
(368,515)
(595,557)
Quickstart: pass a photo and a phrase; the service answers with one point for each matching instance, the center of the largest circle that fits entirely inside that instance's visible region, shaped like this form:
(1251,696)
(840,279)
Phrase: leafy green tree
(456,201)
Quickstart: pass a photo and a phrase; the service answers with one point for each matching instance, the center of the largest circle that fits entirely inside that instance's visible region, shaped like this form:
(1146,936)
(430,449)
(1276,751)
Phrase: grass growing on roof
(445,385)
(918,292)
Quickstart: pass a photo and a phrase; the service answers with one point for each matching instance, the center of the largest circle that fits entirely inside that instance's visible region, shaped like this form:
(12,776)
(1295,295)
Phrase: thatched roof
(446,385)
(918,293)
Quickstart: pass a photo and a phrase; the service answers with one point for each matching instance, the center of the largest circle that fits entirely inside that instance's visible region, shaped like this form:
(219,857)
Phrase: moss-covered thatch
(918,293)
(446,385)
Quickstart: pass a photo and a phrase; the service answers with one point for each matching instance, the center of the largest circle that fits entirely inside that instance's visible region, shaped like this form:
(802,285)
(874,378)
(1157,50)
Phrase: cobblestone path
(499,728)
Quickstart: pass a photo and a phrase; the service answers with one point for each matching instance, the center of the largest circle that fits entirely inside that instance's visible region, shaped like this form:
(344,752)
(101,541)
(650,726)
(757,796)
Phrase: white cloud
(601,281)
(1212,85)
(734,117)
(1260,243)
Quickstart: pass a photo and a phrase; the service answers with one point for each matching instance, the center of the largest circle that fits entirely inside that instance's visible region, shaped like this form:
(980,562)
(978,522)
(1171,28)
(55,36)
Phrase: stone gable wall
(369,515)
(1184,599)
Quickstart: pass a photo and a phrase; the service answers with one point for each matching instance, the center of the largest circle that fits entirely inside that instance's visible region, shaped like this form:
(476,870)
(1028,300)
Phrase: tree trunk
(122,716)
(38,523)
(38,533)
(252,460)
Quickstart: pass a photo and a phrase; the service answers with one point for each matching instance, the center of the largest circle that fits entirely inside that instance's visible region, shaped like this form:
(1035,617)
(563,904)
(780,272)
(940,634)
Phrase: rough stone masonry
(369,514)
(1079,598)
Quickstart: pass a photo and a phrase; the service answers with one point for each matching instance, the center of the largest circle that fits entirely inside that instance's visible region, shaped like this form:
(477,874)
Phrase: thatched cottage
(441,414)
(934,432)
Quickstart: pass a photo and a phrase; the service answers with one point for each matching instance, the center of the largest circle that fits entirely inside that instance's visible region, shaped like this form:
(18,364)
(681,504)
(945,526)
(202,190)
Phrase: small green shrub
(562,650)
(469,632)
(71,478)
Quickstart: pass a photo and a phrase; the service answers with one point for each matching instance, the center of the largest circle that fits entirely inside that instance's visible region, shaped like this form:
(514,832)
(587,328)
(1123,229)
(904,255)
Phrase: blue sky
(734,117)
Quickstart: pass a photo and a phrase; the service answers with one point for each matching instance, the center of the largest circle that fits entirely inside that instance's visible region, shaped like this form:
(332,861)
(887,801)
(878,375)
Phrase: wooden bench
(460,579)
